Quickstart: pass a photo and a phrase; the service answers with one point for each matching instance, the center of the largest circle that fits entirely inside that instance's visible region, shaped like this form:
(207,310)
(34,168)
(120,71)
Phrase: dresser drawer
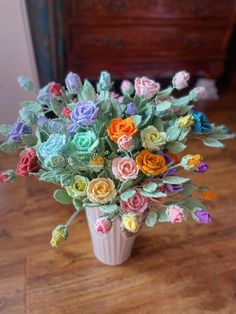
(161,9)
(102,43)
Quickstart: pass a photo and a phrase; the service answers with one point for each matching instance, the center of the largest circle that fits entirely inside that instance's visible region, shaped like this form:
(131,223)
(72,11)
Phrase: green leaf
(158,123)
(78,204)
(165,105)
(125,185)
(137,120)
(62,197)
(108,209)
(213,143)
(221,136)
(162,217)
(188,188)
(116,109)
(31,106)
(50,176)
(176,147)
(125,196)
(153,194)
(151,219)
(184,133)
(165,92)
(173,133)
(203,188)
(191,203)
(5,129)
(184,110)
(88,91)
(56,106)
(126,100)
(9,147)
(175,180)
(29,139)
(150,187)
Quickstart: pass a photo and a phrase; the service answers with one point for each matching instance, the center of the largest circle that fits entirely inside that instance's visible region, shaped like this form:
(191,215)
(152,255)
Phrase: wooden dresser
(147,37)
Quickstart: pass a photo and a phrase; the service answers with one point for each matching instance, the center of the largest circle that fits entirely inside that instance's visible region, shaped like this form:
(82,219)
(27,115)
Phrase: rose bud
(73,83)
(55,89)
(127,87)
(102,225)
(180,80)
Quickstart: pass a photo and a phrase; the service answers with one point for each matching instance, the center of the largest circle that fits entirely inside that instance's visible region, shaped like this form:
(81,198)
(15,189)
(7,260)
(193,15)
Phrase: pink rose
(200,92)
(180,80)
(125,143)
(175,213)
(137,204)
(102,225)
(146,87)
(66,112)
(124,168)
(127,87)
(55,89)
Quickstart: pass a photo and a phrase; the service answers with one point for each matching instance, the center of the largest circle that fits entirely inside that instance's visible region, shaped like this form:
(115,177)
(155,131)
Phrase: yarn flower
(209,195)
(146,88)
(28,163)
(102,225)
(152,139)
(136,204)
(124,168)
(101,190)
(59,234)
(130,222)
(125,143)
(175,213)
(18,129)
(149,163)
(78,188)
(84,114)
(201,123)
(202,215)
(119,127)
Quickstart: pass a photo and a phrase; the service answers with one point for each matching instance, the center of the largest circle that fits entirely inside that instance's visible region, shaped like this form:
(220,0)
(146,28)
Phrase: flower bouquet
(116,156)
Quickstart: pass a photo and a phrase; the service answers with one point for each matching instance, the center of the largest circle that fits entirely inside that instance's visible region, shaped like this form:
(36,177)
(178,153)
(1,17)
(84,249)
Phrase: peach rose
(125,143)
(124,168)
(149,163)
(119,127)
(101,190)
(146,87)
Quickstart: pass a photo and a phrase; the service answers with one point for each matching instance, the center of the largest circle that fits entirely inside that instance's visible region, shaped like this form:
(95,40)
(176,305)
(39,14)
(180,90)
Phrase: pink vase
(112,248)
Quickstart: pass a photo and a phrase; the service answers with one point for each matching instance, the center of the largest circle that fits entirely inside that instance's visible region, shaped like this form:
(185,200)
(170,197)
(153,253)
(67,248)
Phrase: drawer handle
(200,9)
(116,5)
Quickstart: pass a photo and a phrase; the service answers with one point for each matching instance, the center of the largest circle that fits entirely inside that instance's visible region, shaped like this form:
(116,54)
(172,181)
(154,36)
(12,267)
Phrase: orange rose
(119,127)
(151,163)
(209,195)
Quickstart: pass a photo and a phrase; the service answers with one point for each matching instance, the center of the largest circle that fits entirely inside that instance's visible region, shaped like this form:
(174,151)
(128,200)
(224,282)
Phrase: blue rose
(73,83)
(131,109)
(55,144)
(84,114)
(83,143)
(201,123)
(44,95)
(18,129)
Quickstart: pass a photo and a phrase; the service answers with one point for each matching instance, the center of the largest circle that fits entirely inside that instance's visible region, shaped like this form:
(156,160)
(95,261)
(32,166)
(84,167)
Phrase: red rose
(3,177)
(28,163)
(55,89)
(65,112)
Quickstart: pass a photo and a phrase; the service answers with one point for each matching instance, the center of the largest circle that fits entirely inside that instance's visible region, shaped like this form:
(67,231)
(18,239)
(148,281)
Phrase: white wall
(16,58)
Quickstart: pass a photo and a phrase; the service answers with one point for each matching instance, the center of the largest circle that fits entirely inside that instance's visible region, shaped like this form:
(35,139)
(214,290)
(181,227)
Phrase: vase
(113,248)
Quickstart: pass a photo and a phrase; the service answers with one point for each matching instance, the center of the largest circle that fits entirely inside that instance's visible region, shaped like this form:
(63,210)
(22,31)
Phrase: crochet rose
(103,225)
(125,143)
(191,162)
(78,188)
(175,213)
(131,109)
(149,163)
(201,167)
(202,215)
(146,88)
(84,114)
(180,80)
(18,129)
(153,139)
(201,123)
(185,122)
(83,143)
(119,127)
(73,83)
(28,163)
(124,168)
(127,87)
(130,222)
(55,89)
(135,204)
(66,112)
(54,145)
(101,190)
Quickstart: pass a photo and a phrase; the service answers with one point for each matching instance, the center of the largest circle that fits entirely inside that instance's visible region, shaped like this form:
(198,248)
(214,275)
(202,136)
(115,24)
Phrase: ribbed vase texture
(111,248)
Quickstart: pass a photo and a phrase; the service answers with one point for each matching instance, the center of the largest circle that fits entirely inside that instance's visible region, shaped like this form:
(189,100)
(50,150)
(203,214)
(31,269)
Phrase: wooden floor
(178,269)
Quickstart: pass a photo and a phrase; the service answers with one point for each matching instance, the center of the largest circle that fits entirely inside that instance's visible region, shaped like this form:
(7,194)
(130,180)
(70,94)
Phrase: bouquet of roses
(116,152)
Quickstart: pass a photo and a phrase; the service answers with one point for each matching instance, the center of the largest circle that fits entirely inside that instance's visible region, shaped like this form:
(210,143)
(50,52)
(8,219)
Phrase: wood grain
(185,268)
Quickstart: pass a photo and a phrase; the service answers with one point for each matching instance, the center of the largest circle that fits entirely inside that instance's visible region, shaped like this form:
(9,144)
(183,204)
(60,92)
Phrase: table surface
(183,268)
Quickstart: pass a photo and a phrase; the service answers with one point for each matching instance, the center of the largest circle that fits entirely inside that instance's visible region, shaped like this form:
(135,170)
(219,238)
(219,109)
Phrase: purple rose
(201,167)
(172,188)
(18,129)
(131,109)
(84,114)
(42,120)
(73,83)
(203,216)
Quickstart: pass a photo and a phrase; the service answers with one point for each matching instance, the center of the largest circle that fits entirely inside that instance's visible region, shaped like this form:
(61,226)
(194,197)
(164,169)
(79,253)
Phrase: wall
(16,58)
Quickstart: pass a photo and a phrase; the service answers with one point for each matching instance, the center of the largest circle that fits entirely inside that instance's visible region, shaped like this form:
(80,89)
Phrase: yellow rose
(59,234)
(130,222)
(186,121)
(97,163)
(78,189)
(153,139)
(101,190)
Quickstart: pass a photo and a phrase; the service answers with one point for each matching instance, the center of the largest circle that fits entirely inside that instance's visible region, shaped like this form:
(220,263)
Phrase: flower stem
(72,217)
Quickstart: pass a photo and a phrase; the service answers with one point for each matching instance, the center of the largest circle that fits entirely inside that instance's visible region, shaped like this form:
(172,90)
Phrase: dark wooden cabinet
(147,37)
